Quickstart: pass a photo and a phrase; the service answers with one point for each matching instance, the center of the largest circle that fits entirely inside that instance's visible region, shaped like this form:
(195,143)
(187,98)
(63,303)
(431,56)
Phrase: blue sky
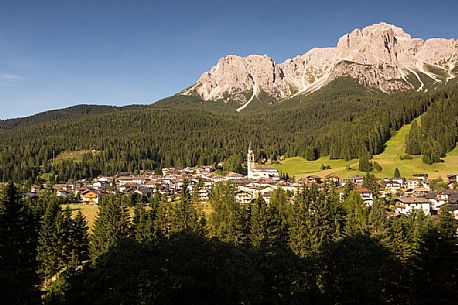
(55,54)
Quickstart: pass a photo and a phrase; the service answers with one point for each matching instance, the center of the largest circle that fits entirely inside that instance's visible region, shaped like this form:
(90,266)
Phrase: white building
(406,205)
(258,172)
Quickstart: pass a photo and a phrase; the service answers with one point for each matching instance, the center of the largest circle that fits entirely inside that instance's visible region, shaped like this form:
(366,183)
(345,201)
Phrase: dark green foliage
(438,132)
(111,225)
(356,215)
(277,218)
(314,221)
(63,244)
(80,239)
(364,164)
(258,222)
(397,173)
(183,215)
(311,154)
(370,182)
(314,251)
(233,164)
(18,240)
(182,270)
(438,184)
(358,270)
(377,220)
(447,224)
(229,221)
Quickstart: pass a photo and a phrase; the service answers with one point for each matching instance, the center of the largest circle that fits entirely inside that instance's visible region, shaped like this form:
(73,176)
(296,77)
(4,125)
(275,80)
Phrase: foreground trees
(309,249)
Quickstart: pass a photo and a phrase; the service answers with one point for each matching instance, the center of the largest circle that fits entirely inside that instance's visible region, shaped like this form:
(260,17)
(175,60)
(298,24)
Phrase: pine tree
(400,241)
(370,182)
(446,226)
(80,239)
(111,225)
(356,215)
(258,222)
(162,220)
(142,228)
(377,220)
(314,221)
(277,218)
(18,242)
(229,221)
(364,163)
(184,217)
(397,173)
(47,253)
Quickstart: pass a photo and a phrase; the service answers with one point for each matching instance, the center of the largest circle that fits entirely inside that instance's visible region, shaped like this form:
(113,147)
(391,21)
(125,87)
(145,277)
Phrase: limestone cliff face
(381,56)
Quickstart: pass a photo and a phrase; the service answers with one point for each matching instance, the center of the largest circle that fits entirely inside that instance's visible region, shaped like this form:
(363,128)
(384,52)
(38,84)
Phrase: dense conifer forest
(310,249)
(343,120)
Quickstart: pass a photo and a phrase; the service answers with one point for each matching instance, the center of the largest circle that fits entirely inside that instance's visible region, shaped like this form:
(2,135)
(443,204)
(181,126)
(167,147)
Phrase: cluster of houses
(406,194)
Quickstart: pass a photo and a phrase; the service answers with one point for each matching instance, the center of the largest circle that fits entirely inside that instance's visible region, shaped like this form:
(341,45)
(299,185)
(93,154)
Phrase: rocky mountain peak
(379,55)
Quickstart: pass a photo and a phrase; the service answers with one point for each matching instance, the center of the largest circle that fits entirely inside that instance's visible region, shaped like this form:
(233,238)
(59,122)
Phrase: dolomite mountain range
(382,56)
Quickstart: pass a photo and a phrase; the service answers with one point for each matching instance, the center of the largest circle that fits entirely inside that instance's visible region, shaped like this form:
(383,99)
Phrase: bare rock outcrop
(382,56)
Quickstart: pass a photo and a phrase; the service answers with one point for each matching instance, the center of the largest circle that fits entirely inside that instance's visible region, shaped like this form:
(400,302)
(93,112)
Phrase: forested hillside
(438,133)
(343,120)
(60,114)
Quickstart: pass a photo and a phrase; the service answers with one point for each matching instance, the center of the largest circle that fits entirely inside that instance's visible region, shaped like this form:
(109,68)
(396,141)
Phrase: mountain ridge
(381,55)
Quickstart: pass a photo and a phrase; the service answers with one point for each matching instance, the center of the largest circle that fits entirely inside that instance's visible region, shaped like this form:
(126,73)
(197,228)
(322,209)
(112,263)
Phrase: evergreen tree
(258,222)
(18,241)
(314,221)
(184,217)
(446,226)
(356,215)
(311,154)
(233,164)
(111,225)
(162,220)
(348,187)
(377,220)
(370,182)
(397,173)
(229,221)
(80,239)
(47,252)
(413,140)
(364,164)
(143,228)
(277,217)
(400,240)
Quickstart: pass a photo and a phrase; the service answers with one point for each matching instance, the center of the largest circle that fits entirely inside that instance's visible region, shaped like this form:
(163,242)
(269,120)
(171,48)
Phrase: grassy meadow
(389,160)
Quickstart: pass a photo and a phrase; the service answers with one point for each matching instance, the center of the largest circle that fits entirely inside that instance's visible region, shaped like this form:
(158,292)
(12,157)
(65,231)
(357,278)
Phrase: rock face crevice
(382,56)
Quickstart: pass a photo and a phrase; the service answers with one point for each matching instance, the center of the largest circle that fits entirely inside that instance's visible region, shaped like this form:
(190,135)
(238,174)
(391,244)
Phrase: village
(402,195)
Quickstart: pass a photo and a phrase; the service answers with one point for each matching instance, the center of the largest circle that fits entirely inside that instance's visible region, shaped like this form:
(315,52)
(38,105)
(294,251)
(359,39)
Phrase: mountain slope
(341,120)
(382,56)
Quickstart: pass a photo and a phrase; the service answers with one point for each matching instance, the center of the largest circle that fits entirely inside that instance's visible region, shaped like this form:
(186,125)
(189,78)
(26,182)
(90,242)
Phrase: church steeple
(250,161)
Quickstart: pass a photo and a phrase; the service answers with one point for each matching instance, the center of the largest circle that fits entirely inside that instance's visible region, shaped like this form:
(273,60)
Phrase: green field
(389,160)
(75,156)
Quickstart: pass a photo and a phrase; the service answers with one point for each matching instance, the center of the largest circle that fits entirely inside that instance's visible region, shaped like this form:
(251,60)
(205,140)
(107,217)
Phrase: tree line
(313,248)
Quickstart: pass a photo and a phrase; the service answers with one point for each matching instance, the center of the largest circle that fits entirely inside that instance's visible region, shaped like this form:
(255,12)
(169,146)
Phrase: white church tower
(250,162)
